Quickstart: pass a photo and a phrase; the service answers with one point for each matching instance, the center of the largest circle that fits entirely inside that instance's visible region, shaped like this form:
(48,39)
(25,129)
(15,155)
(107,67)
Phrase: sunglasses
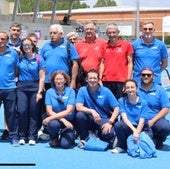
(145,29)
(72,39)
(146,74)
(26,45)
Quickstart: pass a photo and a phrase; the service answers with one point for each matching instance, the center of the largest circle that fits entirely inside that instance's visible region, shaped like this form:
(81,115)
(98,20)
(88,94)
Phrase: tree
(104,3)
(47,5)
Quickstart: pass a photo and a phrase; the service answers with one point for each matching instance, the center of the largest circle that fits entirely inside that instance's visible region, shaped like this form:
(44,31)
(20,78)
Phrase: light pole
(137,19)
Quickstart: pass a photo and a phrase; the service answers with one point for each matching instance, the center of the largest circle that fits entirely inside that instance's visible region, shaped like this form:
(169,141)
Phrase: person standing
(14,42)
(134,117)
(90,49)
(30,88)
(118,62)
(56,57)
(60,109)
(97,109)
(159,105)
(8,65)
(148,50)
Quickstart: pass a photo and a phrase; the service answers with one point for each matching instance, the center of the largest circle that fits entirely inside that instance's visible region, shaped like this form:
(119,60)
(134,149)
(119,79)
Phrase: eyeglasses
(145,29)
(146,74)
(27,46)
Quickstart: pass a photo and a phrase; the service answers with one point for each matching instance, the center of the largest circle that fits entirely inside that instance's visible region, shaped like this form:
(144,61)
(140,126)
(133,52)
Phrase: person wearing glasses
(30,87)
(60,109)
(9,61)
(159,105)
(148,50)
(90,49)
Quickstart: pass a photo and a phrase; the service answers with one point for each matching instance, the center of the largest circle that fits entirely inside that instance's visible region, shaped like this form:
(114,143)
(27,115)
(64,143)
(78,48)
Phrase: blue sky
(149,3)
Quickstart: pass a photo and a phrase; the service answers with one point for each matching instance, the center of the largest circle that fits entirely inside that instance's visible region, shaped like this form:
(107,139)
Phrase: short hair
(58,27)
(72,34)
(15,24)
(66,77)
(32,35)
(148,22)
(93,71)
(113,26)
(91,22)
(7,36)
(147,68)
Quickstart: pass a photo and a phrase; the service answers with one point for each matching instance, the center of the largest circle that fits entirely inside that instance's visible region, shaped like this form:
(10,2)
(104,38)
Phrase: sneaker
(15,142)
(22,142)
(5,135)
(115,142)
(81,144)
(32,142)
(117,150)
(43,136)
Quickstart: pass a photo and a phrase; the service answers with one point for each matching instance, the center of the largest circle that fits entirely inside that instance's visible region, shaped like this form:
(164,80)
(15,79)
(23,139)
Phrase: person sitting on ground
(60,108)
(97,110)
(159,105)
(133,110)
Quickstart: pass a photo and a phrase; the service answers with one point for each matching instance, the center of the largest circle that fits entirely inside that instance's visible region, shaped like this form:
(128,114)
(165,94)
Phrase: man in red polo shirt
(90,48)
(118,63)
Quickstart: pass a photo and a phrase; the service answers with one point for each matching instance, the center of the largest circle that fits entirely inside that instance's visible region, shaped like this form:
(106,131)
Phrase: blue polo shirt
(56,57)
(134,111)
(8,64)
(29,68)
(103,97)
(148,56)
(156,98)
(60,103)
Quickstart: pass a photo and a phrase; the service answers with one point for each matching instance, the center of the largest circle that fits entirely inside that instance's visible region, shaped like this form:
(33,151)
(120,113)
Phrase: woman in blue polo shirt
(30,86)
(133,112)
(60,108)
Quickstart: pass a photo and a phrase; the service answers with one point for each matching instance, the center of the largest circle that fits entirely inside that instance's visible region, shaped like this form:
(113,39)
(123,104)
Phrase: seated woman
(60,107)
(133,110)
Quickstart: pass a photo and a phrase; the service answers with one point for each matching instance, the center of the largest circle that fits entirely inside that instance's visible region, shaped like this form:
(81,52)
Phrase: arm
(57,115)
(74,73)
(130,66)
(164,64)
(81,108)
(161,114)
(41,84)
(101,70)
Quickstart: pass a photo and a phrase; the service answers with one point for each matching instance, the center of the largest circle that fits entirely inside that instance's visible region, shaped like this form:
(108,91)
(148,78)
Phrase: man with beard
(148,50)
(158,104)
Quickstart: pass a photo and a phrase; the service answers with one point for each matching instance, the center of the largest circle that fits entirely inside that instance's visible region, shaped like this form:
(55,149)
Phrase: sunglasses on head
(146,74)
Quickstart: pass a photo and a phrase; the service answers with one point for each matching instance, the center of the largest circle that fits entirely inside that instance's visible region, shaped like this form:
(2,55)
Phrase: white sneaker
(117,150)
(32,142)
(22,142)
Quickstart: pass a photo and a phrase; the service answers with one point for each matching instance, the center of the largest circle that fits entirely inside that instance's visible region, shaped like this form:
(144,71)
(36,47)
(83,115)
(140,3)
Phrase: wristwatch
(110,122)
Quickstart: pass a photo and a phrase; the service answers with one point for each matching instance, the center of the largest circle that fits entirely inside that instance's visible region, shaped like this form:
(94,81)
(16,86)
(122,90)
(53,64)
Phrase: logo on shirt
(119,50)
(153,93)
(100,96)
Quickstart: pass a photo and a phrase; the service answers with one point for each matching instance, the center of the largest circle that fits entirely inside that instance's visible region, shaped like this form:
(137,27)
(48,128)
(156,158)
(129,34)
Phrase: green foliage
(104,3)
(44,5)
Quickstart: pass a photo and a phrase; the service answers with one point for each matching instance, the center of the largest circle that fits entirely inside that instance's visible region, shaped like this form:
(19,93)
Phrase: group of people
(119,93)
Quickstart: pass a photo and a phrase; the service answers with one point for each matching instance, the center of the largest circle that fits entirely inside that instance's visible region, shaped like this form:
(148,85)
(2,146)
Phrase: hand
(38,97)
(46,121)
(136,136)
(95,115)
(67,124)
(150,123)
(106,128)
